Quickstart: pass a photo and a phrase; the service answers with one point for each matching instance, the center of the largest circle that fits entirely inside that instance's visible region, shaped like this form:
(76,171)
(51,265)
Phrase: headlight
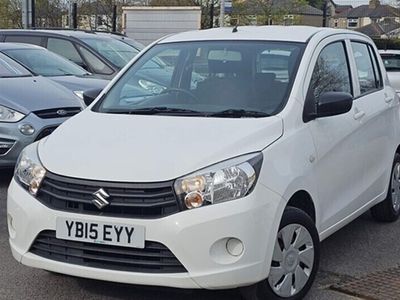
(152,87)
(29,172)
(79,94)
(10,115)
(229,180)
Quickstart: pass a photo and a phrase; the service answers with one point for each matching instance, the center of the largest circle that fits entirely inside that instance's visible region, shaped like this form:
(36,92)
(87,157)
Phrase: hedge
(393,44)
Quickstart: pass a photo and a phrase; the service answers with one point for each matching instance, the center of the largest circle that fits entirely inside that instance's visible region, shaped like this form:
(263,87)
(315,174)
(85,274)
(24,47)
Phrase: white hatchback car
(258,143)
(391,61)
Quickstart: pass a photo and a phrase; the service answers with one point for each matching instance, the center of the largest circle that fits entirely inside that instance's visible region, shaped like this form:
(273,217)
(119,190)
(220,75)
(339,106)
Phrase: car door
(375,108)
(337,139)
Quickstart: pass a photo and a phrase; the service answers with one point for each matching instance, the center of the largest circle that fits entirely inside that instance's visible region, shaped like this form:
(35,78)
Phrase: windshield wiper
(158,110)
(238,113)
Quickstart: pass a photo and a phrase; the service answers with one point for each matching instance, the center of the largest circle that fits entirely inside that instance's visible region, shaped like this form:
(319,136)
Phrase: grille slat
(133,200)
(114,203)
(114,194)
(119,250)
(62,112)
(154,258)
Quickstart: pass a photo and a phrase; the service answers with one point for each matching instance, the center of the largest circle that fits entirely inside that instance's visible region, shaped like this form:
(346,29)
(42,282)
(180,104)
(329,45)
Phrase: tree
(172,3)
(265,12)
(10,14)
(48,13)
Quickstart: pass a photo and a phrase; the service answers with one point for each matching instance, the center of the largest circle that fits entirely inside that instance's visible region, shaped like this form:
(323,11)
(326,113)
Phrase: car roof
(264,33)
(71,33)
(389,51)
(13,46)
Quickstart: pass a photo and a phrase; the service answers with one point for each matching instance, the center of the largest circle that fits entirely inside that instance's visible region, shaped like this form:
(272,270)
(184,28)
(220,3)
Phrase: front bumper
(10,132)
(194,237)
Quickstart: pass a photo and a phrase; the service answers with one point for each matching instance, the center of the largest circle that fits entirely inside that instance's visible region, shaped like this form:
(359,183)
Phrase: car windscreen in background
(45,63)
(391,62)
(10,68)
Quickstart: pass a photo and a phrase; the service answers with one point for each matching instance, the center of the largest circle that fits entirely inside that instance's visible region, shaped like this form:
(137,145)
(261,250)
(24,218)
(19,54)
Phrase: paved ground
(361,248)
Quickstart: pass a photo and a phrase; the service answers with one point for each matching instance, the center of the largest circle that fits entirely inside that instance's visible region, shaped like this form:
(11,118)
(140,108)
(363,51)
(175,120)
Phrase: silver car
(41,61)
(391,60)
(31,107)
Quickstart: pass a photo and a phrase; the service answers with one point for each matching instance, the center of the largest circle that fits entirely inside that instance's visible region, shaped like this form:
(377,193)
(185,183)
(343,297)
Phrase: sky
(361,2)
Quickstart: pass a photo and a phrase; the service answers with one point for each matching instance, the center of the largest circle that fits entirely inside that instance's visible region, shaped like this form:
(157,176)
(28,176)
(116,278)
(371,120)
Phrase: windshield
(45,63)
(117,52)
(10,68)
(218,78)
(391,62)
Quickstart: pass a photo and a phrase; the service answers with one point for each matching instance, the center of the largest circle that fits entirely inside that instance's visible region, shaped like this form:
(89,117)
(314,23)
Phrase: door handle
(358,115)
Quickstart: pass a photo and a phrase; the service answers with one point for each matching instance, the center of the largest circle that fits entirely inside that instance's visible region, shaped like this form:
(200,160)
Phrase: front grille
(154,258)
(57,112)
(45,132)
(128,200)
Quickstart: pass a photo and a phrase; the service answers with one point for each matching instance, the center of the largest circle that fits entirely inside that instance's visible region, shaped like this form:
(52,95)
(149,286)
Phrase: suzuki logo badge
(101,197)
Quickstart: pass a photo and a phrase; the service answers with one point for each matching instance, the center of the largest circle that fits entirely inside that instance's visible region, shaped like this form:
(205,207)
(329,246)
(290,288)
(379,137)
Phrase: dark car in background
(31,107)
(99,54)
(41,61)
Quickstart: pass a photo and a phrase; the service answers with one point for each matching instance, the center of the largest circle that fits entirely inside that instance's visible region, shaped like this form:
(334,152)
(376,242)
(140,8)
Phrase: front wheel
(294,263)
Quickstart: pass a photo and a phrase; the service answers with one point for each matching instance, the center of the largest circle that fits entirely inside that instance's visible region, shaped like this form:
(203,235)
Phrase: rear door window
(64,48)
(367,76)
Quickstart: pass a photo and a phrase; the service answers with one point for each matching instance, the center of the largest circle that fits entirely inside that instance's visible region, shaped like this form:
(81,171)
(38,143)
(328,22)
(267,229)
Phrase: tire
(389,209)
(294,224)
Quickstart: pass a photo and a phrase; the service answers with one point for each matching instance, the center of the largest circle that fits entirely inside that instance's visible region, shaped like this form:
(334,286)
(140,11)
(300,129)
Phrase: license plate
(100,232)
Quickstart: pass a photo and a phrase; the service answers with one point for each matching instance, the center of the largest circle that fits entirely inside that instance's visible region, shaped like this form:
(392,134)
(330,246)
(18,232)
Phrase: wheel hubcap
(396,187)
(292,261)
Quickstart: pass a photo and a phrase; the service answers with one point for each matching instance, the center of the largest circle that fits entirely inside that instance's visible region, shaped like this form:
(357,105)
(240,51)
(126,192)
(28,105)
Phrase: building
(365,15)
(276,12)
(335,9)
(381,30)
(305,15)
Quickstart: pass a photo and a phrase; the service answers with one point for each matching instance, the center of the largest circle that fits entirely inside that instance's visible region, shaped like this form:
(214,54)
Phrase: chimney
(374,3)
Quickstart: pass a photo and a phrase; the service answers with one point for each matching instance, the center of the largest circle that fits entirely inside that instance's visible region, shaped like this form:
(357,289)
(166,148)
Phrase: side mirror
(90,95)
(333,104)
(329,104)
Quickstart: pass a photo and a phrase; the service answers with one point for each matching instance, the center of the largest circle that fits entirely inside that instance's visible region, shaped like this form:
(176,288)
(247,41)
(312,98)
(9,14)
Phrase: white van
(216,159)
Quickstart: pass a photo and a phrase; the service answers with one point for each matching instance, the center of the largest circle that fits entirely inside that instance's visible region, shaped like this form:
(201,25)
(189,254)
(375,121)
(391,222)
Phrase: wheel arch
(303,201)
(398,149)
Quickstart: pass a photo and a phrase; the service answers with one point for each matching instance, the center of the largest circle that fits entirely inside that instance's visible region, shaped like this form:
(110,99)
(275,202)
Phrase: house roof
(341,8)
(380,28)
(366,11)
(306,10)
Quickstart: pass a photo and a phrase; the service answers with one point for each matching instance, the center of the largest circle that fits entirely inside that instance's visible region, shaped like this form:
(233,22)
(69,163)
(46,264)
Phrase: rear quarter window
(35,40)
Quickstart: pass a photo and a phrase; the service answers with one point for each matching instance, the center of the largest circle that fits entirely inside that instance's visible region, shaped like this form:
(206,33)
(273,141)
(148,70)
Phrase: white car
(290,134)
(391,61)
